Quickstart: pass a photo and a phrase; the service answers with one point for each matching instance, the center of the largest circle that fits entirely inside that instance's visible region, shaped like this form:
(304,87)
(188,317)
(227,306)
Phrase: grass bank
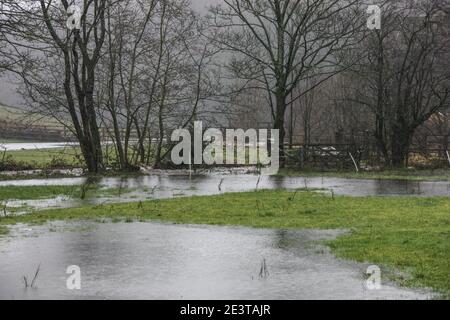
(407,233)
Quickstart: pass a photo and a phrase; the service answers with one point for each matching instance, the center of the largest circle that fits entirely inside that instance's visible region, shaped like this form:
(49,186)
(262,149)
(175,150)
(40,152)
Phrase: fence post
(302,157)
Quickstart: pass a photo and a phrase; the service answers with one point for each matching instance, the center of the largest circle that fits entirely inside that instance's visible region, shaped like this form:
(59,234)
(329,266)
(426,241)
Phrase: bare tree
(403,79)
(128,24)
(154,76)
(276,44)
(60,69)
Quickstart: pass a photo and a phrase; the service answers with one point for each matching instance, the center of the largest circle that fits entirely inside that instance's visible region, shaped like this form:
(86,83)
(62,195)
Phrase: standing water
(148,187)
(162,261)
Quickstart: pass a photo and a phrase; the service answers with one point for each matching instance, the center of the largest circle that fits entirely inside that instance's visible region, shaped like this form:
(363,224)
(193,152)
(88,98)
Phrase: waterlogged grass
(49,192)
(56,175)
(36,192)
(400,174)
(406,233)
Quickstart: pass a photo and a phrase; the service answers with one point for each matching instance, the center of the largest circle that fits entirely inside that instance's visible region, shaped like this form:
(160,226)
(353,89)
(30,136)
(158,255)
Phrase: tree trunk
(279,122)
(88,155)
(400,142)
(379,137)
(96,146)
(160,139)
(120,153)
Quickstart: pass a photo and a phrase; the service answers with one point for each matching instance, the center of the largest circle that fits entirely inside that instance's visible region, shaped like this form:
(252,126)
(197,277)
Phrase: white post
(354,162)
(190,165)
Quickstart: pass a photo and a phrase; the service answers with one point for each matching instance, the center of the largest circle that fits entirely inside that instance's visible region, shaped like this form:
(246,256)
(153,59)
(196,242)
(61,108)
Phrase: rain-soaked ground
(149,187)
(162,261)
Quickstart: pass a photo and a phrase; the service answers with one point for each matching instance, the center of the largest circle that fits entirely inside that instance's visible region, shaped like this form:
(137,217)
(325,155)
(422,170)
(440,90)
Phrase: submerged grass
(410,234)
(47,192)
(35,192)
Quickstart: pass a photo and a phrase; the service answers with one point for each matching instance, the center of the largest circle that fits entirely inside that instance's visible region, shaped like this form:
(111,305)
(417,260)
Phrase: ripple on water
(163,261)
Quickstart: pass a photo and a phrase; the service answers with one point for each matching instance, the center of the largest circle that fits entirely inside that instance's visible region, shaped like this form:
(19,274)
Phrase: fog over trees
(135,70)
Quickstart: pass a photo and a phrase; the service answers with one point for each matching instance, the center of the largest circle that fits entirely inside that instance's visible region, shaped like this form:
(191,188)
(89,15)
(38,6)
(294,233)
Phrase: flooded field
(149,187)
(140,260)
(161,261)
(34,145)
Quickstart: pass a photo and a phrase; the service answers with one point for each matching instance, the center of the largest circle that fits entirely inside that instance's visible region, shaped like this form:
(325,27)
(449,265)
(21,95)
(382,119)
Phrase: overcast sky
(202,5)
(9,96)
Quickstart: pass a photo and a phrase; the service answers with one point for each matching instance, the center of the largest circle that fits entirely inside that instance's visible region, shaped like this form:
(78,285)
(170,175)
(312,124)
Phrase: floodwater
(34,145)
(163,261)
(141,188)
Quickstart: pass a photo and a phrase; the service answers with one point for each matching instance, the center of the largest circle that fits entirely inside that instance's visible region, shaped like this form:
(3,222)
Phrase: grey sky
(202,5)
(9,96)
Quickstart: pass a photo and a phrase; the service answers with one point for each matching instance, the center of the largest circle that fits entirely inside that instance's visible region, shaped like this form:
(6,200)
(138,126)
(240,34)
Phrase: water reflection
(141,188)
(35,145)
(159,261)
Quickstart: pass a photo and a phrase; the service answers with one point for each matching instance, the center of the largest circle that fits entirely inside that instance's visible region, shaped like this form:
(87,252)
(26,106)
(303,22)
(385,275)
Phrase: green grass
(398,174)
(406,233)
(3,230)
(44,158)
(56,158)
(36,192)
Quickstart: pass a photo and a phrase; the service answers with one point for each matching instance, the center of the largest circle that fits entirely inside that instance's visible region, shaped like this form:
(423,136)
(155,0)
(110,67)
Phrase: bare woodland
(136,70)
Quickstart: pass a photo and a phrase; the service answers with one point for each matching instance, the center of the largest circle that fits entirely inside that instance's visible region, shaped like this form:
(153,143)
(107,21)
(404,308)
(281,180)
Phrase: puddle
(163,261)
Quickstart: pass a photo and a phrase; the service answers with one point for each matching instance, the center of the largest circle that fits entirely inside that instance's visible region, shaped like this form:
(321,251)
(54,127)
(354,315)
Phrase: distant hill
(16,115)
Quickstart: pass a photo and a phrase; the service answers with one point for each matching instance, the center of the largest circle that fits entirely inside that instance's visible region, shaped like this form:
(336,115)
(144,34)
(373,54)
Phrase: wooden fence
(350,156)
(323,156)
